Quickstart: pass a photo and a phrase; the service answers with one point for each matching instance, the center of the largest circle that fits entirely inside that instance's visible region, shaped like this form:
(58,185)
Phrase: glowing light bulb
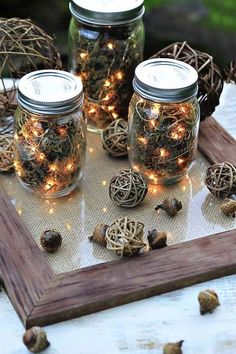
(104,183)
(119,75)
(40,157)
(107,83)
(92,110)
(115,115)
(180,161)
(110,45)
(53,167)
(111,108)
(62,131)
(70,166)
(106,98)
(142,140)
(83,55)
(164,152)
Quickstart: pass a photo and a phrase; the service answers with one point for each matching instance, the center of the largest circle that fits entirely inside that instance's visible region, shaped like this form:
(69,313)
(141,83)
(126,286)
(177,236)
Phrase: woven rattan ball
(230,72)
(115,138)
(210,80)
(125,237)
(128,189)
(24,48)
(6,152)
(221,179)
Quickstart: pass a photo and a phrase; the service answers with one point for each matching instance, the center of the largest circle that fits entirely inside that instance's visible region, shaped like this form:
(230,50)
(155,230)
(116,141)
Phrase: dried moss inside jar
(163,120)
(49,133)
(106,41)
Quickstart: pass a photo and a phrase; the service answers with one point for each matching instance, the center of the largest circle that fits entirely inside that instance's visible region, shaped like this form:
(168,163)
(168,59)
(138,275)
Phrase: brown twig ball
(210,80)
(221,179)
(51,240)
(25,47)
(125,237)
(115,138)
(128,189)
(6,152)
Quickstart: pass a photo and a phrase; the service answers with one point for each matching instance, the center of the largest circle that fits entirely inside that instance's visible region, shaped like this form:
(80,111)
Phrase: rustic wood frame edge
(41,297)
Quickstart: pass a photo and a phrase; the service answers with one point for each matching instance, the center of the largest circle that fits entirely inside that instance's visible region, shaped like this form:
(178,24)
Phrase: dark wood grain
(23,268)
(40,297)
(215,143)
(111,284)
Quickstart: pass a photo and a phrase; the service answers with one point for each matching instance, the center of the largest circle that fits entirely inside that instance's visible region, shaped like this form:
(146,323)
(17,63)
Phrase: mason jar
(49,133)
(163,120)
(106,41)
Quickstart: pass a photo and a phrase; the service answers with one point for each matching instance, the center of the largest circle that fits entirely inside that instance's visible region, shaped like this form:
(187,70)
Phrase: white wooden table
(144,326)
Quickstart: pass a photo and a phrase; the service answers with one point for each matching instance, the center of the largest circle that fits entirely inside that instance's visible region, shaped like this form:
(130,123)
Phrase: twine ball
(125,237)
(230,72)
(128,189)
(25,47)
(210,80)
(221,179)
(6,152)
(115,138)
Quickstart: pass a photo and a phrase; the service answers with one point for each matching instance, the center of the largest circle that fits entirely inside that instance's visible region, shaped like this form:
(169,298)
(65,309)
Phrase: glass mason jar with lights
(163,120)
(49,133)
(106,40)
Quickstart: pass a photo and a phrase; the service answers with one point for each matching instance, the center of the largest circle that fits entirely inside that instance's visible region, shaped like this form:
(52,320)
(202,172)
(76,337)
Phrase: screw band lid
(103,12)
(50,92)
(165,80)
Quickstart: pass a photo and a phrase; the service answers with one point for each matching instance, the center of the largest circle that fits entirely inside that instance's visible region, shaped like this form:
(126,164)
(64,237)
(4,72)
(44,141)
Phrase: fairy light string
(49,153)
(164,139)
(105,60)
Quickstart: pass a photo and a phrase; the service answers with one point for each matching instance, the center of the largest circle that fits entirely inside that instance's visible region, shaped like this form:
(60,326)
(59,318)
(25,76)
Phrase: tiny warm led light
(53,167)
(107,83)
(164,152)
(91,150)
(92,110)
(104,183)
(16,137)
(19,211)
(83,55)
(115,115)
(184,188)
(49,184)
(152,123)
(180,161)
(104,210)
(178,133)
(184,109)
(111,108)
(40,156)
(51,211)
(70,166)
(136,168)
(119,75)
(142,140)
(151,176)
(110,45)
(68,226)
(19,173)
(106,98)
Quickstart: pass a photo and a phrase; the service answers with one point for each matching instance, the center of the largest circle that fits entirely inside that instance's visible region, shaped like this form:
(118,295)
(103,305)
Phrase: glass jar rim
(103,16)
(165,80)
(50,92)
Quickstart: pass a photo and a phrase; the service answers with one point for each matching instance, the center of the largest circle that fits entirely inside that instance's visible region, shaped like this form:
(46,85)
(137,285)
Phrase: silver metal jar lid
(165,80)
(50,92)
(103,12)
